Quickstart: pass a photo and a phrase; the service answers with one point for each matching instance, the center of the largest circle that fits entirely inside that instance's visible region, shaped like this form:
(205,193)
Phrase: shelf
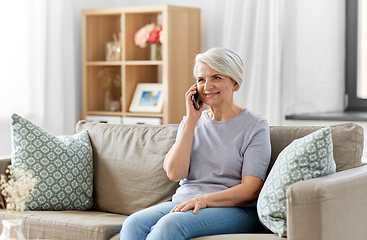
(348,116)
(104,113)
(104,63)
(136,114)
(118,63)
(98,30)
(126,114)
(147,62)
(99,26)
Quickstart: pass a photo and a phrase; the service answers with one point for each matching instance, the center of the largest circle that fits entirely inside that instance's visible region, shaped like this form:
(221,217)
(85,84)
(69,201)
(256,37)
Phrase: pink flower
(149,33)
(141,37)
(154,36)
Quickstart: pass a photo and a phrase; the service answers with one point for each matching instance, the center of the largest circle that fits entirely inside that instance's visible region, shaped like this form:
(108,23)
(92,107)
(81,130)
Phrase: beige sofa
(128,176)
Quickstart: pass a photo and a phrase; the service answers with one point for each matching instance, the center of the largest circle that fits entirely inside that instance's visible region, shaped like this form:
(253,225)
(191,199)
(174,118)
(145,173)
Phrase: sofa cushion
(128,164)
(62,166)
(305,158)
(67,225)
(347,142)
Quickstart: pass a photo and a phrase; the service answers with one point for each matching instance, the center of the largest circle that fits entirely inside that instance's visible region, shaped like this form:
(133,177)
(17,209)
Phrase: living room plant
(16,188)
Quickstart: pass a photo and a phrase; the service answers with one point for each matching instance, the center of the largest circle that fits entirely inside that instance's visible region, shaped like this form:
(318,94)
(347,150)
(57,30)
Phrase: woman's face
(214,88)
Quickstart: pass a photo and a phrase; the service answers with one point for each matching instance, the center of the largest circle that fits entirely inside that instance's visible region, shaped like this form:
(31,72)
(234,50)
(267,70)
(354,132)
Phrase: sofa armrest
(329,208)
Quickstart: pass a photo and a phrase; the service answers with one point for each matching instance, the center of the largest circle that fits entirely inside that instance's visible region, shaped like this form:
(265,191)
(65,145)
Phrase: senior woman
(220,157)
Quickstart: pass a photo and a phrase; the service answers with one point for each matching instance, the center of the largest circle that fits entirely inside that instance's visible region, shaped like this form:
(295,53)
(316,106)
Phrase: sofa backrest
(128,165)
(128,159)
(347,142)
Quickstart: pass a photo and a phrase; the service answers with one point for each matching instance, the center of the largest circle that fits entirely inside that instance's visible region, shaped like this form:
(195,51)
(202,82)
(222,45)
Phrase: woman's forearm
(177,161)
(238,195)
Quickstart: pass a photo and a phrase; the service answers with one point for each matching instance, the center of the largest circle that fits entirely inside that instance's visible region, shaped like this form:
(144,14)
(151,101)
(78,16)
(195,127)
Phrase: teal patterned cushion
(305,158)
(63,166)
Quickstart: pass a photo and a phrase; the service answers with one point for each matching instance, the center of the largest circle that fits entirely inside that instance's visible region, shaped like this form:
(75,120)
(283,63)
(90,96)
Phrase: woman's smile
(211,95)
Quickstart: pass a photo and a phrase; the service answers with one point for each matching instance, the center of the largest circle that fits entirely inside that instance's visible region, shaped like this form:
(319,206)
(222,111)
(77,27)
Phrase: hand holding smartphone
(196,100)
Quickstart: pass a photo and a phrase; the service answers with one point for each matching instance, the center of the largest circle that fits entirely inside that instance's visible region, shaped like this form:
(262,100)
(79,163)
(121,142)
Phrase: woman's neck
(221,114)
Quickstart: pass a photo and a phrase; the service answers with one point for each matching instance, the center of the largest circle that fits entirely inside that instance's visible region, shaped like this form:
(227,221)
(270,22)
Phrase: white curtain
(37,72)
(255,30)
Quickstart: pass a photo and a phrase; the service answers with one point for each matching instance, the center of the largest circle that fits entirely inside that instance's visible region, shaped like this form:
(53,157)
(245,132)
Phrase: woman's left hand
(196,204)
(247,191)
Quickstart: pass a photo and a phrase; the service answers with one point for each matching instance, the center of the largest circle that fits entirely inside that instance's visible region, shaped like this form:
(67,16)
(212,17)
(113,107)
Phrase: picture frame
(148,97)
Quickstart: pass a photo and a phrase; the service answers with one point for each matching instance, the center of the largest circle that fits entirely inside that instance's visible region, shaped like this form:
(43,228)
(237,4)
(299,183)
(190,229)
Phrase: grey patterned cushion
(305,158)
(63,166)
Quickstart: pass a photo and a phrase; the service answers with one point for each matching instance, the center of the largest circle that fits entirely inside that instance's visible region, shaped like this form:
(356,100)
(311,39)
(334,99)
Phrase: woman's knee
(168,227)
(134,227)
(171,220)
(132,222)
(140,223)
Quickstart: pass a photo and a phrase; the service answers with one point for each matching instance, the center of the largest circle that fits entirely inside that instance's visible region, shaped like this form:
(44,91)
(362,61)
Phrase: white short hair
(222,60)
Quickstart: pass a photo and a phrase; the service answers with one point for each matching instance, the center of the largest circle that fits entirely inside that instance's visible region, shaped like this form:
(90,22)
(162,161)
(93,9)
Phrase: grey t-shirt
(223,151)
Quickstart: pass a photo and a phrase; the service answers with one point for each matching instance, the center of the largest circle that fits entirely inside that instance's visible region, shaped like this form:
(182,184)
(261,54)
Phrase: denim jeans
(156,223)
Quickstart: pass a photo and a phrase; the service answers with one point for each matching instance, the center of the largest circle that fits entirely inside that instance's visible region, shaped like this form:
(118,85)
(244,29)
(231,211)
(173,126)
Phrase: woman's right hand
(191,112)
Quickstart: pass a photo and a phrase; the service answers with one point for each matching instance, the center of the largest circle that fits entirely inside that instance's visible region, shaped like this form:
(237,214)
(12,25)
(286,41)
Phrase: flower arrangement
(150,33)
(16,188)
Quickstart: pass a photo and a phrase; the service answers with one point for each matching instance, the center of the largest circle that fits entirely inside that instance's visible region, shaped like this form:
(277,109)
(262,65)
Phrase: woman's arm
(177,161)
(245,192)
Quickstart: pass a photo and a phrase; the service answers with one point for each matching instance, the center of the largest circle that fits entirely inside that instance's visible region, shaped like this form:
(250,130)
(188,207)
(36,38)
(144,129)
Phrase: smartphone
(196,100)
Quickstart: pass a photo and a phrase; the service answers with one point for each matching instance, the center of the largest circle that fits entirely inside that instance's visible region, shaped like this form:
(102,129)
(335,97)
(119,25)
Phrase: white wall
(315,61)
(314,56)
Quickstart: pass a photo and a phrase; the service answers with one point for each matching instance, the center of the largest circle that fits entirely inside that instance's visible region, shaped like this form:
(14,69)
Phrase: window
(356,55)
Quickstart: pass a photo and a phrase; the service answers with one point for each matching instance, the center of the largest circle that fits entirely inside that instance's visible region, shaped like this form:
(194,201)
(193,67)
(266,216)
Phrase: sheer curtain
(255,30)
(37,73)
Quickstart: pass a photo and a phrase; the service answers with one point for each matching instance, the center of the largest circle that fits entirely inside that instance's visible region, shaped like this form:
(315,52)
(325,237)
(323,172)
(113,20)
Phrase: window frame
(353,102)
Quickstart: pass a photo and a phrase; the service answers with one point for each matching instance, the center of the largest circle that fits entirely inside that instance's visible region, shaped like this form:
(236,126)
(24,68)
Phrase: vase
(113,51)
(12,229)
(155,51)
(107,101)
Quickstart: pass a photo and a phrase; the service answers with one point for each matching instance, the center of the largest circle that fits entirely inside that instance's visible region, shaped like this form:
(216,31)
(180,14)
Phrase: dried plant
(110,78)
(16,188)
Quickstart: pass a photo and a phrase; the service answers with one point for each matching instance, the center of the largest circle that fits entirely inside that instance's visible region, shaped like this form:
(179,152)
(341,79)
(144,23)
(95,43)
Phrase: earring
(235,89)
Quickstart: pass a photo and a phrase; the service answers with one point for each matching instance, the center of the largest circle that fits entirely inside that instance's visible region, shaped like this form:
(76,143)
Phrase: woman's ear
(236,86)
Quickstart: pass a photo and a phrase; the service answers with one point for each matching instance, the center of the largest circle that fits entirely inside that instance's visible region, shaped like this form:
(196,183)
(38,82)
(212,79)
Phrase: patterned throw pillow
(305,158)
(63,166)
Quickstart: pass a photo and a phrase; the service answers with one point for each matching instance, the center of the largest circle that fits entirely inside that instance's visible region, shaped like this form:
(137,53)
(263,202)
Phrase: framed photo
(148,97)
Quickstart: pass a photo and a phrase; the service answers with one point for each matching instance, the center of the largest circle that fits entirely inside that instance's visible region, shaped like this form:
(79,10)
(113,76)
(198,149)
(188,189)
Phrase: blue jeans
(157,223)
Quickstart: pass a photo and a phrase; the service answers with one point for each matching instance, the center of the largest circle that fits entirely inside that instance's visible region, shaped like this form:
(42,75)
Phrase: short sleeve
(257,155)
